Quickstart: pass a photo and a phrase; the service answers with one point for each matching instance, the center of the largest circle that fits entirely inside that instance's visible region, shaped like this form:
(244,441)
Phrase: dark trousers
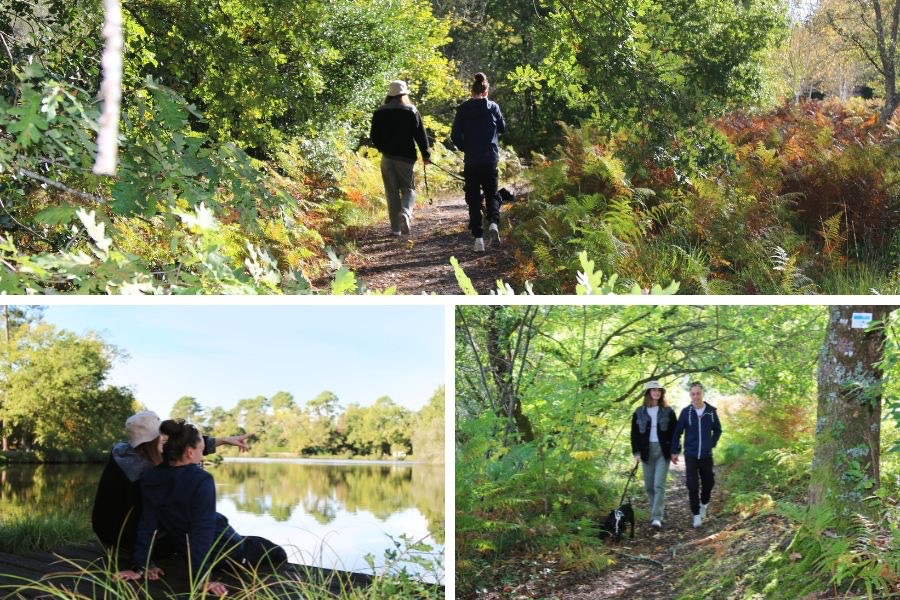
(699,491)
(481,178)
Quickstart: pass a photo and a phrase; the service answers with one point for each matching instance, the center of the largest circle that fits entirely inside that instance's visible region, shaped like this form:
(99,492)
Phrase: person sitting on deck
(117,504)
(179,498)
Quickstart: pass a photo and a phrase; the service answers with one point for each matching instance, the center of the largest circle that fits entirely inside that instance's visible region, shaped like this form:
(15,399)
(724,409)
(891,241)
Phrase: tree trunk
(502,354)
(3,436)
(845,466)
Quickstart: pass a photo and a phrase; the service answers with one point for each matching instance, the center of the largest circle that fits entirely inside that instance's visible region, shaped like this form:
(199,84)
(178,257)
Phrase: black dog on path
(616,523)
(616,520)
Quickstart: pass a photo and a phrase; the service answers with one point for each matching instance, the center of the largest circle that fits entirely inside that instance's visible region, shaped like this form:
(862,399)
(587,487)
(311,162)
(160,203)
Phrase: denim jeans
(656,470)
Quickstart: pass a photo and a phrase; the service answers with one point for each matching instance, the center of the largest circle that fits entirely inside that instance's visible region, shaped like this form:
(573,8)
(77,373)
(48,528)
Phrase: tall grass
(30,532)
(77,579)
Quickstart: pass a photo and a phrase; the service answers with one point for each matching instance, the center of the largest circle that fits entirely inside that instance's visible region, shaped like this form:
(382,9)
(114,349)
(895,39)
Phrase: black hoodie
(396,129)
(182,502)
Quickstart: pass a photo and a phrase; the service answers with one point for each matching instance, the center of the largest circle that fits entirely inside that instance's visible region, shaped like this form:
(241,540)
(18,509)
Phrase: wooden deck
(82,571)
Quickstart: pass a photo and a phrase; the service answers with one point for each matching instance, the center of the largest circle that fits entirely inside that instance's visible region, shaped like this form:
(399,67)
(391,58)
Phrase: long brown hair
(402,99)
(662,399)
(150,451)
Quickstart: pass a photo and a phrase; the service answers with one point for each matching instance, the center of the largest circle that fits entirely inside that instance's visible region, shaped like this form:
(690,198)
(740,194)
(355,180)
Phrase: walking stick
(427,193)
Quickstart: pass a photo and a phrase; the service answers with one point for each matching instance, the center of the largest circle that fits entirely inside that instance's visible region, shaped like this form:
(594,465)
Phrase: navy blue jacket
(700,434)
(182,502)
(476,126)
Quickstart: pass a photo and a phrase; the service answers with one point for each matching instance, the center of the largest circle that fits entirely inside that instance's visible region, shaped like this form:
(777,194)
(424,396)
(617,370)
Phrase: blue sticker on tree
(860,320)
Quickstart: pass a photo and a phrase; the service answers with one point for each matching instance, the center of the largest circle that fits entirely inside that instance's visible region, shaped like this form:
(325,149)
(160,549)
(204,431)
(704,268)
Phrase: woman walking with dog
(476,128)
(652,425)
(397,128)
(702,429)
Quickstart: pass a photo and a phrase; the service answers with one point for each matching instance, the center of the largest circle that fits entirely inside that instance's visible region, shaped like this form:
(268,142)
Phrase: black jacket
(396,129)
(640,432)
(117,504)
(476,126)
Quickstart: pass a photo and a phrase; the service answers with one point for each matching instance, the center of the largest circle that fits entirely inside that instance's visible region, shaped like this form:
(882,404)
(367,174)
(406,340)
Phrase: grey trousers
(656,471)
(399,187)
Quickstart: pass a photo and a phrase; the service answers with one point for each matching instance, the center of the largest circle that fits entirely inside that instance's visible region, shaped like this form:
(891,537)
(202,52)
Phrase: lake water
(328,514)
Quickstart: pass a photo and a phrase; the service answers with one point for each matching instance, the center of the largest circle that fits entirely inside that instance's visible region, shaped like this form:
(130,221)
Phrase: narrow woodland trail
(420,263)
(669,551)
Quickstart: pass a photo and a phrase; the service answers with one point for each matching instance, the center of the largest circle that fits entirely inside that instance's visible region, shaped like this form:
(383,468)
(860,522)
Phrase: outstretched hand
(237,440)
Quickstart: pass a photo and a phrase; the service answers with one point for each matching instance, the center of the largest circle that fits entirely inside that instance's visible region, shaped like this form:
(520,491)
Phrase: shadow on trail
(420,263)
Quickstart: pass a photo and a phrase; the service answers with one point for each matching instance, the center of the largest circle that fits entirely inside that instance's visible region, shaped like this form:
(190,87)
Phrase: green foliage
(53,390)
(542,452)
(785,209)
(667,65)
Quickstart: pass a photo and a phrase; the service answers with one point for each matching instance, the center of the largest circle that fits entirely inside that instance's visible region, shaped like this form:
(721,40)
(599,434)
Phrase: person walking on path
(652,425)
(475,131)
(397,128)
(702,429)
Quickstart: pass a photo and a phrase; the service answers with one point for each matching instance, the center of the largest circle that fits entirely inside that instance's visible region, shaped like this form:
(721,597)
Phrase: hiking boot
(656,524)
(698,521)
(494,234)
(703,508)
(404,223)
(479,244)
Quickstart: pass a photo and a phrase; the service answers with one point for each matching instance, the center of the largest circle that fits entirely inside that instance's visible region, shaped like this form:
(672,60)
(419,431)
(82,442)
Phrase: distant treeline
(319,427)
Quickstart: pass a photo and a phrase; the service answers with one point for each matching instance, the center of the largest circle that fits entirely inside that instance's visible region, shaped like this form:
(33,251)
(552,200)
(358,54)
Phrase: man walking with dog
(652,425)
(702,429)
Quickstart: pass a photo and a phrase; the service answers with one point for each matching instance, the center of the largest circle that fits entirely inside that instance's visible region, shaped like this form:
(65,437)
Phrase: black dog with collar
(616,522)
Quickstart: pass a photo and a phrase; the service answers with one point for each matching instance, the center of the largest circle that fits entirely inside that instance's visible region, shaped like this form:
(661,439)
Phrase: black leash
(627,483)
(456,176)
(427,193)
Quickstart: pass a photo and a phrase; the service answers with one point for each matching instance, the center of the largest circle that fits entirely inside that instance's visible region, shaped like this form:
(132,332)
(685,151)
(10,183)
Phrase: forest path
(673,546)
(420,263)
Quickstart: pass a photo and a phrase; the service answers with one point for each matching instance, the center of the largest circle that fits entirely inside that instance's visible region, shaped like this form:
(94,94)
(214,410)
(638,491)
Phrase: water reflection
(329,515)
(333,514)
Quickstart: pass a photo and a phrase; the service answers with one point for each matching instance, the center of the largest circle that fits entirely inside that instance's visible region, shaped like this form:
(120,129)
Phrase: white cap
(653,385)
(142,427)
(398,88)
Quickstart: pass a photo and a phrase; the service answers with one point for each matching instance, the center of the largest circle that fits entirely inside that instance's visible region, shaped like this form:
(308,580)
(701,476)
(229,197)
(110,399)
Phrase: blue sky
(221,354)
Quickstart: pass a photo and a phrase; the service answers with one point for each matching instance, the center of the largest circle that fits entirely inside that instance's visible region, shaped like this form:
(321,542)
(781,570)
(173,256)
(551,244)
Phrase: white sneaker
(395,233)
(494,234)
(404,223)
(656,524)
(703,508)
(479,244)
(698,521)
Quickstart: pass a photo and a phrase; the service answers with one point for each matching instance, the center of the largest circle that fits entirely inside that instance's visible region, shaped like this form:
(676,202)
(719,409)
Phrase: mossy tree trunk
(845,466)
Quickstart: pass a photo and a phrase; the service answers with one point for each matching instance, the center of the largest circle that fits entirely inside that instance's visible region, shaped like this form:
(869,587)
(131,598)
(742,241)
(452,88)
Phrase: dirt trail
(635,578)
(420,263)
